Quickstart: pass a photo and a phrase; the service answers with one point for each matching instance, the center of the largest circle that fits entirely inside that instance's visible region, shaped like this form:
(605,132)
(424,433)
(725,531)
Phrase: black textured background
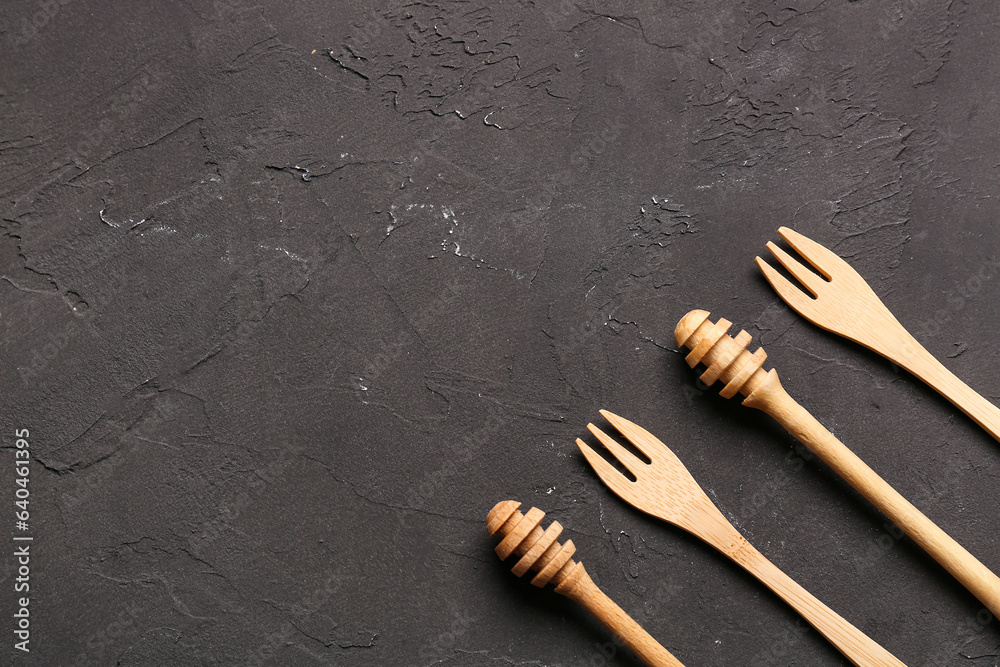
(293,293)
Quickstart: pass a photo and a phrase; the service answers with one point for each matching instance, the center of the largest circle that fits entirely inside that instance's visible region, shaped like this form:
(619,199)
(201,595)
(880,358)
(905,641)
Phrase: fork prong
(644,441)
(615,480)
(822,258)
(627,458)
(792,295)
(810,280)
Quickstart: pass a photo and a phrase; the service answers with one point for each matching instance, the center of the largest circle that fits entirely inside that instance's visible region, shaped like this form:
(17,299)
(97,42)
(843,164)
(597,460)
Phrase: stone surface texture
(291,294)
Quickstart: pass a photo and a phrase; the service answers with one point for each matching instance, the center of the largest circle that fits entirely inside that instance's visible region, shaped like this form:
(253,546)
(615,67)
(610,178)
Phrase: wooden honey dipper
(540,552)
(727,360)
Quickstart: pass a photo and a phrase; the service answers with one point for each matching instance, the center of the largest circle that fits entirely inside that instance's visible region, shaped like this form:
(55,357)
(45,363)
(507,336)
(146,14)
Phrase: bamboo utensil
(539,552)
(845,304)
(665,489)
(728,361)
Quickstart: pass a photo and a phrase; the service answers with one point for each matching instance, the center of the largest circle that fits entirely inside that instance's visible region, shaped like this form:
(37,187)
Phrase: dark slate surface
(293,294)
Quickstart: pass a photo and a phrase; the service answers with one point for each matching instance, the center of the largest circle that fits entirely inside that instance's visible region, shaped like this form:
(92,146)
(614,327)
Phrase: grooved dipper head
(537,549)
(724,357)
(688,325)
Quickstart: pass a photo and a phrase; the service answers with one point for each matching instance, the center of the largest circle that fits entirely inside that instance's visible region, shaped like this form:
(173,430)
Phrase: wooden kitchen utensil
(846,305)
(538,551)
(665,489)
(728,361)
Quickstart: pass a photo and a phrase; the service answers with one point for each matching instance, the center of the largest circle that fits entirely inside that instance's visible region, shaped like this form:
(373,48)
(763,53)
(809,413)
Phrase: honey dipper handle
(771,397)
(579,587)
(855,645)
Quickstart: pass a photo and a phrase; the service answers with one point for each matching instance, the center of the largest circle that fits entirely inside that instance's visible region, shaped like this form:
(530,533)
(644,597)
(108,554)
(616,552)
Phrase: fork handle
(583,590)
(855,645)
(915,358)
(772,398)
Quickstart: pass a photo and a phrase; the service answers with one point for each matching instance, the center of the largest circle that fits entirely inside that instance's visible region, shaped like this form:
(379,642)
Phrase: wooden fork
(844,304)
(665,489)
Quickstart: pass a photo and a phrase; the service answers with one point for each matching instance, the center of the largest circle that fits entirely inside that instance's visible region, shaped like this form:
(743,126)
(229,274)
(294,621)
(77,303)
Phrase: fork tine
(644,441)
(823,259)
(789,293)
(809,280)
(615,481)
(627,458)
